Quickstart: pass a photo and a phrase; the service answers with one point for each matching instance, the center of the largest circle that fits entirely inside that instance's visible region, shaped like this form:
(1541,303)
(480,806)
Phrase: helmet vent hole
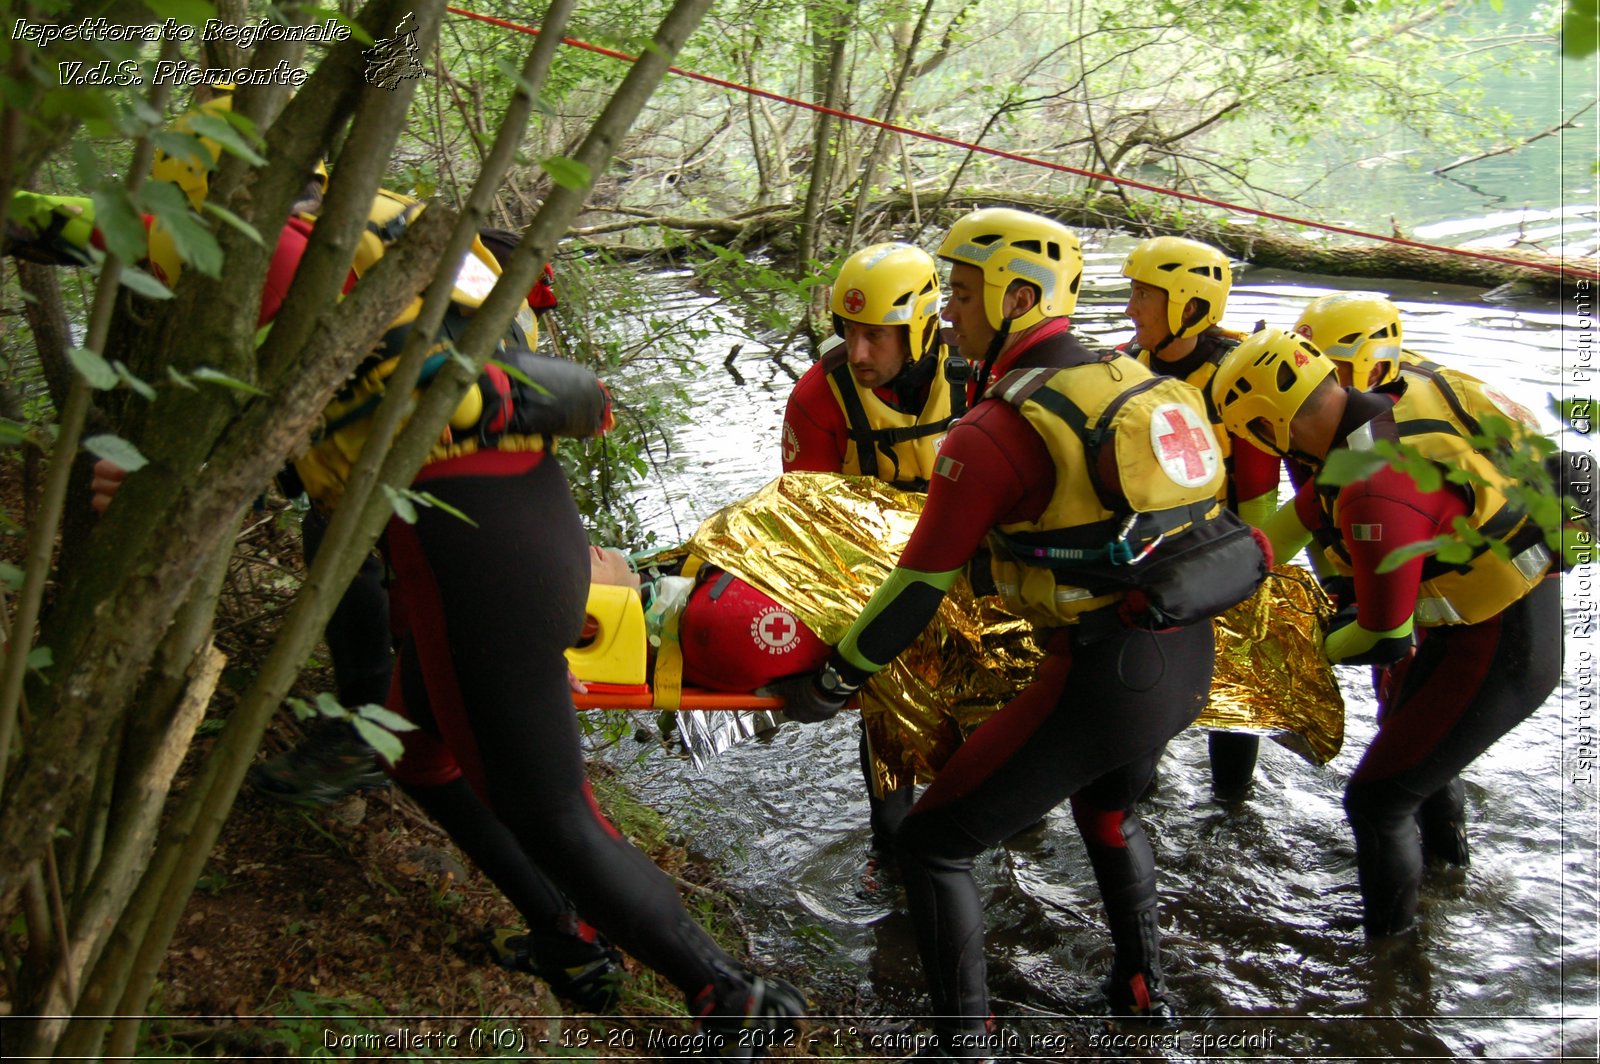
(1053,250)
(1285,377)
(1028,245)
(903,300)
(986,239)
(1349,338)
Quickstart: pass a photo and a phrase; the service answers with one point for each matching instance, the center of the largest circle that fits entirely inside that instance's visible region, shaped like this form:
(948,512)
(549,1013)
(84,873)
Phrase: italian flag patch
(1367,533)
(948,468)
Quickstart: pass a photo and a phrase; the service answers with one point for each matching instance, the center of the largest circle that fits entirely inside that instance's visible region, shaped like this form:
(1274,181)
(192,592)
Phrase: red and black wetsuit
(1252,474)
(816,439)
(1090,727)
(483,611)
(1465,687)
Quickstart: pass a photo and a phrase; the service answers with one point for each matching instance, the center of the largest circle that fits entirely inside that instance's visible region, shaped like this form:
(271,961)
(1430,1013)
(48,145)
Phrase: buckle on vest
(1533,562)
(1120,551)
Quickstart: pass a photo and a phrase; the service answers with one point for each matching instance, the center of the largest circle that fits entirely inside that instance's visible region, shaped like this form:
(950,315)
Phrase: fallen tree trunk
(1531,272)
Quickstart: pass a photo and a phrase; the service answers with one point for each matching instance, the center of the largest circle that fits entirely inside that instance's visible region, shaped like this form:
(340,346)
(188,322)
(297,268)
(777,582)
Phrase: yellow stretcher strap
(668,678)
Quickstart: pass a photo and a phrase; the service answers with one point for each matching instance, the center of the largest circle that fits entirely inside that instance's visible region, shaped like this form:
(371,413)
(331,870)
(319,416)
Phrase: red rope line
(999,153)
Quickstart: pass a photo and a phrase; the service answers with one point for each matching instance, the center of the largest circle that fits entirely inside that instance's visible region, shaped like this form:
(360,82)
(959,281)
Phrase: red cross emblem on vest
(1184,449)
(854,300)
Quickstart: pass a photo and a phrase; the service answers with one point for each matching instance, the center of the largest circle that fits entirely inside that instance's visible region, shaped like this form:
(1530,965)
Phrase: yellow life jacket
(479,418)
(1136,464)
(1437,414)
(1214,345)
(896,446)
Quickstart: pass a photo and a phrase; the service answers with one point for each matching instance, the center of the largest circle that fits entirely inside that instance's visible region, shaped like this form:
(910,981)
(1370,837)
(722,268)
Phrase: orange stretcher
(615,664)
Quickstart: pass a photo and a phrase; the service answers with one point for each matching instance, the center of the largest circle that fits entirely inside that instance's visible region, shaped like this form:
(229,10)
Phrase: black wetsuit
(485,612)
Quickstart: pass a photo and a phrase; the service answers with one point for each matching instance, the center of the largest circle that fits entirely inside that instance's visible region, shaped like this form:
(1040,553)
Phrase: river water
(1259,902)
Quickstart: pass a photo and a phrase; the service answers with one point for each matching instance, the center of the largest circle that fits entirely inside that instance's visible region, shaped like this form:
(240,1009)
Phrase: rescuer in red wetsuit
(1467,651)
(1179,294)
(877,404)
(1111,689)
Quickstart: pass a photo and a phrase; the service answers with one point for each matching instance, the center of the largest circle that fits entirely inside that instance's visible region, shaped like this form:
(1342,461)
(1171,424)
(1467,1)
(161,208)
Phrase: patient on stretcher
(728,636)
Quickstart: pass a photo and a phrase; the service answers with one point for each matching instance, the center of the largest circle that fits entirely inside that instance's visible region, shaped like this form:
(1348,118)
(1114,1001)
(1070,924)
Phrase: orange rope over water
(1027,160)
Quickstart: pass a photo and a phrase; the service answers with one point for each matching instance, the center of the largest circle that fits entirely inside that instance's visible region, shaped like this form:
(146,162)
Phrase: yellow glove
(1286,534)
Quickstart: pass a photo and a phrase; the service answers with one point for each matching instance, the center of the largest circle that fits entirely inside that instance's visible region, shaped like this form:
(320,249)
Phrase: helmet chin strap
(989,357)
(1303,457)
(1188,323)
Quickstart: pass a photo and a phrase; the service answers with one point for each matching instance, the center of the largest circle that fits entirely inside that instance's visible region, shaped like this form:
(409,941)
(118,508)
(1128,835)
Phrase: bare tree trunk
(880,143)
(829,37)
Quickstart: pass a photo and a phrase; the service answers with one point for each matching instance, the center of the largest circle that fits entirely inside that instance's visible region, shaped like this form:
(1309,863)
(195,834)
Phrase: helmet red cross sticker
(775,630)
(1183,445)
(1300,358)
(854,300)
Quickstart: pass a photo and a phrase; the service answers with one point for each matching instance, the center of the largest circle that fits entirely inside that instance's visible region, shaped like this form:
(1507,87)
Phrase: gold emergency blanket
(821,544)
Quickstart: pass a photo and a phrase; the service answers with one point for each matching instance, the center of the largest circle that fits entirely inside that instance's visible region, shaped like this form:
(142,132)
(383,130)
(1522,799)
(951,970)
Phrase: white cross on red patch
(775,630)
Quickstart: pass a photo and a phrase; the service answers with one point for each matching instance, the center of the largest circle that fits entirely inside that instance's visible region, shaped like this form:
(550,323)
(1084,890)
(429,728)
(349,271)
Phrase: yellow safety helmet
(1184,269)
(1267,378)
(1011,245)
(890,284)
(1360,329)
(187,171)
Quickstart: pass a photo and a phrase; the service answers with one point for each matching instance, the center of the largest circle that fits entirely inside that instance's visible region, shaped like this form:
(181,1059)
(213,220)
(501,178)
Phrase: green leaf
(141,283)
(1580,29)
(234,221)
(302,709)
(517,375)
(40,658)
(119,223)
(127,377)
(188,12)
(386,718)
(96,370)
(329,706)
(568,173)
(383,741)
(11,576)
(357,32)
(1400,555)
(1577,413)
(1345,466)
(216,376)
(13,433)
(179,379)
(401,504)
(183,147)
(439,504)
(193,241)
(117,450)
(227,133)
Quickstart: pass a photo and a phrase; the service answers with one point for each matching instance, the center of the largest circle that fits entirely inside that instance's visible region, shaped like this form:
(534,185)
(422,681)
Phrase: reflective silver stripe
(1432,611)
(1065,594)
(1360,439)
(1023,379)
(1533,562)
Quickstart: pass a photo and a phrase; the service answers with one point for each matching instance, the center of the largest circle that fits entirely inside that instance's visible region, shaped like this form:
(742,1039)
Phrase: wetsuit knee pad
(1103,827)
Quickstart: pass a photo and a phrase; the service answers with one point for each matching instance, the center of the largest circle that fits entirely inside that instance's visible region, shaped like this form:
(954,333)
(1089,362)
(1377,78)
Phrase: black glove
(1340,589)
(805,701)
